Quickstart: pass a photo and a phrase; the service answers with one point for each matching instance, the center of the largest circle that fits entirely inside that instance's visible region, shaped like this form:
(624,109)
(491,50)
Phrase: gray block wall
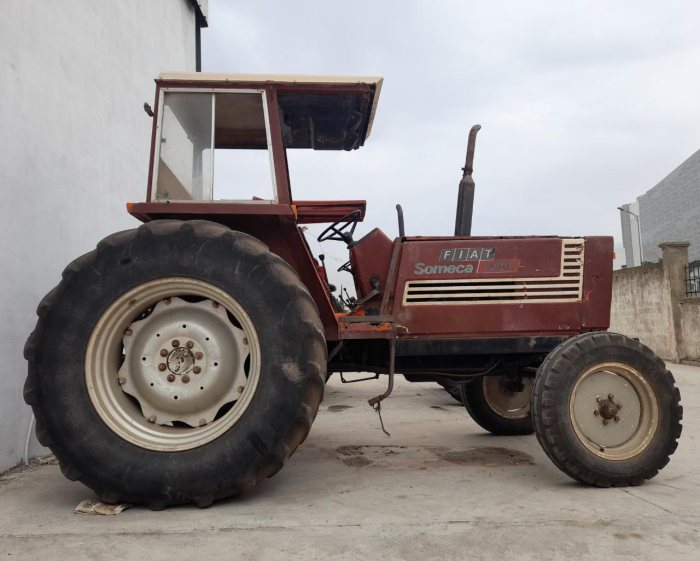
(670,211)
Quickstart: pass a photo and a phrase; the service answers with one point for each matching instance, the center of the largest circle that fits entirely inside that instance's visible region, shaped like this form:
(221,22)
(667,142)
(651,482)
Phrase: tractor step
(367,327)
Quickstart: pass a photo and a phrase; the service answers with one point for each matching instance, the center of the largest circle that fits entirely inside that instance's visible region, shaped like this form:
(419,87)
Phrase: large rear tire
(178,362)
(606,410)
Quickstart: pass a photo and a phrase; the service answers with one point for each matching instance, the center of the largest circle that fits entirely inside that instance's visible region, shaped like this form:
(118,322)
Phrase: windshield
(214,146)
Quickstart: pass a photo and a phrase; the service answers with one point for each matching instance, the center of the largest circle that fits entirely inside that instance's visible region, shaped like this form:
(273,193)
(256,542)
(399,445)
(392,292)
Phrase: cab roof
(318,112)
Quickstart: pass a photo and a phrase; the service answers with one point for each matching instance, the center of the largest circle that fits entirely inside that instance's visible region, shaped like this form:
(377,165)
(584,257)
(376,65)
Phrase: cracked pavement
(439,488)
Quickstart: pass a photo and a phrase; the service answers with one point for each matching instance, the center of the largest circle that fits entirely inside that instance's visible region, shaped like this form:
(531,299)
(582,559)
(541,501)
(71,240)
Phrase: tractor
(185,360)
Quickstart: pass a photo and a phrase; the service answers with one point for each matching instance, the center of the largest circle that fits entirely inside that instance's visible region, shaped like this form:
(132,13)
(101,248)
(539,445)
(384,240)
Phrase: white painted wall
(74,144)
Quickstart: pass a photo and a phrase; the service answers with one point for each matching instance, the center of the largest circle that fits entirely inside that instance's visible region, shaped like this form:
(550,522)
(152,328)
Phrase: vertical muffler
(465,198)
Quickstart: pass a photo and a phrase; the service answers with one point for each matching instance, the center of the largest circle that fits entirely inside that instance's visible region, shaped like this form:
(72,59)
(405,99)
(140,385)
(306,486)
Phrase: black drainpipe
(199,22)
(198,44)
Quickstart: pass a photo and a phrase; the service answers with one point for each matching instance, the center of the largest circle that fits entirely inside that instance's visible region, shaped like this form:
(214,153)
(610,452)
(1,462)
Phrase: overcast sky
(584,105)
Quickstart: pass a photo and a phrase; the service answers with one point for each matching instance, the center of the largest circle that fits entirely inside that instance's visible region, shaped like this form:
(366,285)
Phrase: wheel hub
(180,360)
(510,401)
(608,409)
(184,362)
(601,422)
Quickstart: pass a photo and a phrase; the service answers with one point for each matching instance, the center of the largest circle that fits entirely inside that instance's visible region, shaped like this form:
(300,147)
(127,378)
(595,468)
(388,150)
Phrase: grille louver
(567,287)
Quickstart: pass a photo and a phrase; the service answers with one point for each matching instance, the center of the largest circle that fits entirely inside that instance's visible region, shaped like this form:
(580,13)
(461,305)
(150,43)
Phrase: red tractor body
(185,360)
(430,287)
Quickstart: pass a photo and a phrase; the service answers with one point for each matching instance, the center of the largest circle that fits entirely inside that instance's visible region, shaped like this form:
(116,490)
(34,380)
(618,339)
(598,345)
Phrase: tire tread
(310,327)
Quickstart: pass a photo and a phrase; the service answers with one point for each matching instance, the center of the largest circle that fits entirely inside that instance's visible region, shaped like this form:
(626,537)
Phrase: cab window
(214,146)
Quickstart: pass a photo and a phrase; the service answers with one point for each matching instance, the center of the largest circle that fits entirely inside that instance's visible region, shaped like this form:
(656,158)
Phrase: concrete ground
(439,488)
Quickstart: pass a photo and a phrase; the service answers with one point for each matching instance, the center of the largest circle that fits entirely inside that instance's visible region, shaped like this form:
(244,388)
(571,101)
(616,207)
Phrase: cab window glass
(214,147)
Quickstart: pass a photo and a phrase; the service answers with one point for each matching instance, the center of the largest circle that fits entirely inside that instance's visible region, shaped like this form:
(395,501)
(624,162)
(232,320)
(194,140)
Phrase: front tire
(179,362)
(606,410)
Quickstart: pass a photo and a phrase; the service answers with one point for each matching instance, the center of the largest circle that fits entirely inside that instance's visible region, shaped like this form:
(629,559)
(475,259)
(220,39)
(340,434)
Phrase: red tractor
(185,360)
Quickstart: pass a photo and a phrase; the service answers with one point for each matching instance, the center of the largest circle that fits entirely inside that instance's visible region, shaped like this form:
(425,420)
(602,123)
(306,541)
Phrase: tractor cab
(219,147)
(224,137)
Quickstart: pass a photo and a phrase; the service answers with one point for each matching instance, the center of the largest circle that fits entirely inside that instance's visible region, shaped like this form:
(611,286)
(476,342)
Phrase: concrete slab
(439,488)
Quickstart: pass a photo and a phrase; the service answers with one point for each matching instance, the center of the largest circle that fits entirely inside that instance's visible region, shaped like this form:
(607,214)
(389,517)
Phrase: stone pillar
(675,258)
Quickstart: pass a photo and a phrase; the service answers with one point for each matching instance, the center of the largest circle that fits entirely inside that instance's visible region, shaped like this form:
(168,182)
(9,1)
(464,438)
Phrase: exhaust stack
(465,198)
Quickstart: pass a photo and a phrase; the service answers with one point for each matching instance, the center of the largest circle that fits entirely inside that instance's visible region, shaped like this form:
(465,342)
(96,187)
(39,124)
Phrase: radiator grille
(567,287)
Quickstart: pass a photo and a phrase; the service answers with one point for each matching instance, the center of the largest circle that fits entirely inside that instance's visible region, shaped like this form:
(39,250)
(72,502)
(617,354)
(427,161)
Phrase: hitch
(376,402)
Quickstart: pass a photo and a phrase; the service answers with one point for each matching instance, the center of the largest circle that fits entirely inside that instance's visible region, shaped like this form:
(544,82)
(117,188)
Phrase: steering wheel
(343,229)
(345,268)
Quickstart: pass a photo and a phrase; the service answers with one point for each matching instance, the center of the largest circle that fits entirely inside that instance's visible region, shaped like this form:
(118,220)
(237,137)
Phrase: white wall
(74,144)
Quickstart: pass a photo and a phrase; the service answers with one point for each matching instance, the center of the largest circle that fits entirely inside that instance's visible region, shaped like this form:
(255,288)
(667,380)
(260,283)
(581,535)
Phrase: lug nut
(616,419)
(598,399)
(240,389)
(128,332)
(215,304)
(198,355)
(605,421)
(163,352)
(190,344)
(611,396)
(245,340)
(596,412)
(171,377)
(185,379)
(176,343)
(152,419)
(167,301)
(122,381)
(619,405)
(196,370)
(162,367)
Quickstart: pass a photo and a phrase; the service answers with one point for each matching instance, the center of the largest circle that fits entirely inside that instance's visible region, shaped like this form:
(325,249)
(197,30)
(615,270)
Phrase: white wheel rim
(506,403)
(181,374)
(614,411)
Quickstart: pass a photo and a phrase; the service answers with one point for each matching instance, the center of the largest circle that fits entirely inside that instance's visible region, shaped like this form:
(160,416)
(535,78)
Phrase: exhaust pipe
(465,198)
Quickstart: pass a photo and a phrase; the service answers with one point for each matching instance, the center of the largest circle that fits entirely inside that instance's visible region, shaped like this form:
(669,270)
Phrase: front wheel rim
(513,405)
(613,410)
(172,364)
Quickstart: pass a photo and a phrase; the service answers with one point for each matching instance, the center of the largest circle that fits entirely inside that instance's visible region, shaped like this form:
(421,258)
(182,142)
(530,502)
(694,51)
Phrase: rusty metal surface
(394,264)
(370,256)
(279,155)
(597,283)
(222,212)
(366,331)
(365,319)
(154,132)
(387,297)
(321,212)
(514,258)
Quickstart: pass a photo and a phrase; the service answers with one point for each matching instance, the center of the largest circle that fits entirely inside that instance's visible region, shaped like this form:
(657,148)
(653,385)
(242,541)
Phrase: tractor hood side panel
(501,287)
